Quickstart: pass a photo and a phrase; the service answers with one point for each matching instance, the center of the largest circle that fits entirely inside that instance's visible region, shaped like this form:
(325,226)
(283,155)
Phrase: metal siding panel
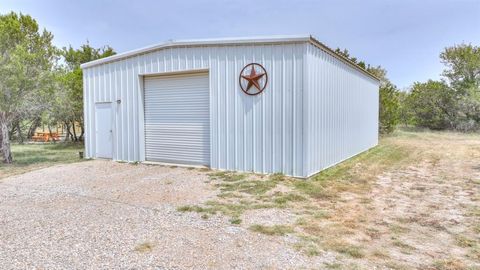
(95,91)
(269,116)
(230,110)
(248,101)
(86,111)
(136,100)
(90,108)
(124,109)
(240,114)
(277,146)
(106,80)
(129,107)
(221,142)
(118,112)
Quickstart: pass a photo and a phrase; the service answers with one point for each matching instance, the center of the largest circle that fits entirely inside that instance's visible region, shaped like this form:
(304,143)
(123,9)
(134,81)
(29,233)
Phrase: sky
(404,36)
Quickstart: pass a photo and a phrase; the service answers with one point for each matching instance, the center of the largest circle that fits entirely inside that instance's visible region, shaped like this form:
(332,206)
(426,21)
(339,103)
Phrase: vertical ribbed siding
(261,133)
(342,115)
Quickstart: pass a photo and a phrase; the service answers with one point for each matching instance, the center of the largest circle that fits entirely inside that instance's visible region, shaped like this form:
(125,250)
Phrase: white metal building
(192,102)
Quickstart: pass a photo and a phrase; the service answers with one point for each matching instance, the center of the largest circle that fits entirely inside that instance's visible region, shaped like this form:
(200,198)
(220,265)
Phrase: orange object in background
(45,137)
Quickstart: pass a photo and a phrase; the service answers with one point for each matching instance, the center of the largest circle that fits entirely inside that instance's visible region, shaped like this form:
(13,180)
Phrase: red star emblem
(253,79)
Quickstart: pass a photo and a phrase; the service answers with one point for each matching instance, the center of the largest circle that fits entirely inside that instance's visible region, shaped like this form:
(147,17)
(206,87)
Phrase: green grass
(227,176)
(309,248)
(235,186)
(355,173)
(290,197)
(404,247)
(473,246)
(239,183)
(235,221)
(28,157)
(352,251)
(397,229)
(277,230)
(252,187)
(343,247)
(474,212)
(463,241)
(212,208)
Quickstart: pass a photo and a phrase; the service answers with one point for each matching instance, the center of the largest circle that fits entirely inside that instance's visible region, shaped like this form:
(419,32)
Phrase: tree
(26,57)
(463,73)
(468,106)
(380,73)
(405,113)
(68,102)
(463,66)
(389,108)
(346,54)
(86,53)
(433,105)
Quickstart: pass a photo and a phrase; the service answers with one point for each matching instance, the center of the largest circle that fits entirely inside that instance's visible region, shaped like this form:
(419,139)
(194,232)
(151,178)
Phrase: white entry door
(103,130)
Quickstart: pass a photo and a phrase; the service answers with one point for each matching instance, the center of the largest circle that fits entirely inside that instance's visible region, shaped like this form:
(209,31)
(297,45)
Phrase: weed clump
(276,230)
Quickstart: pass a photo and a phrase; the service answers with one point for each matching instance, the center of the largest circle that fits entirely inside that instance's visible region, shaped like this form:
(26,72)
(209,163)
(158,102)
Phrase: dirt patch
(268,217)
(421,216)
(424,211)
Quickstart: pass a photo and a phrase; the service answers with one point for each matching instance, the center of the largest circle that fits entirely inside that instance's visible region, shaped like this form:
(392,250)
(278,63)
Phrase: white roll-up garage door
(177,121)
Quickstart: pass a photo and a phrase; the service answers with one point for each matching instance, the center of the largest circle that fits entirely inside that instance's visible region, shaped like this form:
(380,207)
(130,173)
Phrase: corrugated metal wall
(261,133)
(342,105)
(315,112)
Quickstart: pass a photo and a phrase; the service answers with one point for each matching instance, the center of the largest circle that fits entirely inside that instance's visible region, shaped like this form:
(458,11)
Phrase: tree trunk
(11,132)
(82,134)
(67,131)
(74,131)
(4,139)
(50,133)
(19,132)
(33,128)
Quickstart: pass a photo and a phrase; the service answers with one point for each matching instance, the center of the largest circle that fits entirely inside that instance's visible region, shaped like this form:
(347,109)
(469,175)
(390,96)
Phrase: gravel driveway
(101,214)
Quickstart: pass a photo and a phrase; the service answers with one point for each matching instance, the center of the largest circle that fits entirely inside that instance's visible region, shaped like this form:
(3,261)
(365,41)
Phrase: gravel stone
(98,214)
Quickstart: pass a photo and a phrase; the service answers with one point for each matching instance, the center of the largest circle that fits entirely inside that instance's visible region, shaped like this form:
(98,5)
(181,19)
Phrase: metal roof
(228,41)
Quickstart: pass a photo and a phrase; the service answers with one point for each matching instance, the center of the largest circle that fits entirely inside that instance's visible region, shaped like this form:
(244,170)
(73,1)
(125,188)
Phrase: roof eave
(229,41)
(199,42)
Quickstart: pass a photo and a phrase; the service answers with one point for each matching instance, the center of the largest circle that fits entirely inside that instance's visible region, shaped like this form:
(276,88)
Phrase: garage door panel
(183,141)
(153,137)
(176,129)
(179,112)
(177,125)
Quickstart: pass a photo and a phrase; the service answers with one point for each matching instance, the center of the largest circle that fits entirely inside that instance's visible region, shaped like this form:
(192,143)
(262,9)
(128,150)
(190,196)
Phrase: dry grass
(144,247)
(448,264)
(344,210)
